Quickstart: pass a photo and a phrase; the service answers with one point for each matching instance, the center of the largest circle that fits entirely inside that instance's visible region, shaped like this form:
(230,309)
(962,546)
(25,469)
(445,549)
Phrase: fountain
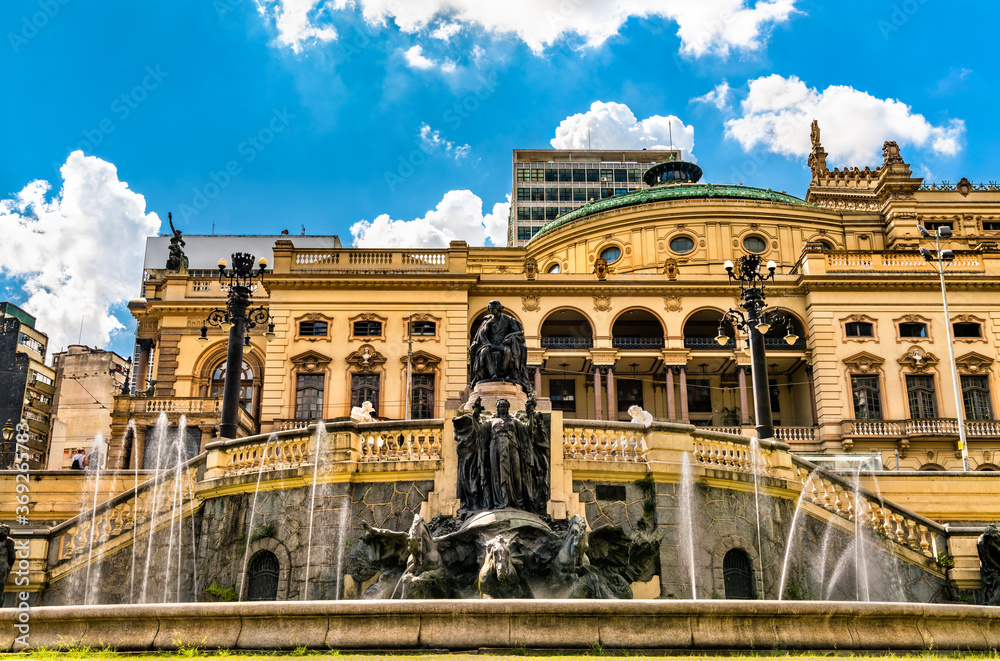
(498,506)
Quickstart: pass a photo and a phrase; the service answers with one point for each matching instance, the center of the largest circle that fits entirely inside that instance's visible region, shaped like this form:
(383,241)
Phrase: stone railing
(919,427)
(982,428)
(795,434)
(347,441)
(284,424)
(896,262)
(400,440)
(124,513)
(593,440)
(724,430)
(733,453)
(855,503)
(369,260)
(274,453)
(182,405)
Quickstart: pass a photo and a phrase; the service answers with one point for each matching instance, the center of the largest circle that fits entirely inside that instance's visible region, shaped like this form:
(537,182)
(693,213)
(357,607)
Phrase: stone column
(671,405)
(597,394)
(142,363)
(538,380)
(744,412)
(612,395)
(812,394)
(684,394)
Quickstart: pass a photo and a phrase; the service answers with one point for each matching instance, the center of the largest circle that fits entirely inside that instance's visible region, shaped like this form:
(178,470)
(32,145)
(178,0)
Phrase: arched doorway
(262,575)
(737,572)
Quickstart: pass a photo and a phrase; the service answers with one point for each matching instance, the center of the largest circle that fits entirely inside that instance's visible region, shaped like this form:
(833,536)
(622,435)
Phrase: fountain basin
(538,623)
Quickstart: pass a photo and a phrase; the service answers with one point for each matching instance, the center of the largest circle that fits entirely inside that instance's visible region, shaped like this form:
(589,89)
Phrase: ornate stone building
(620,300)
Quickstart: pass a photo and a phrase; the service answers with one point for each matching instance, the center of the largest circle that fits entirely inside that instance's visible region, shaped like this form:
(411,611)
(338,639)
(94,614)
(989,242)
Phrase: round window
(555,268)
(611,254)
(682,244)
(754,244)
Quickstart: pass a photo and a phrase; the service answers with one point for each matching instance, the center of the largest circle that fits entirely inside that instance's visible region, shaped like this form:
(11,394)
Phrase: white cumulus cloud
(457,217)
(614,126)
(705,27)
(416,59)
(294,20)
(432,141)
(777,113)
(78,253)
(718,97)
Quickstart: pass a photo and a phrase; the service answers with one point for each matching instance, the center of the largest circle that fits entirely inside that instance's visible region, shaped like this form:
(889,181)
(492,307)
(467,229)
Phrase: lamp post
(238,318)
(756,322)
(7,454)
(939,257)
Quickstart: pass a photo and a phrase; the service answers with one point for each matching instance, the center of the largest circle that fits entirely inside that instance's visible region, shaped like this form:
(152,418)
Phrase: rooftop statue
(176,258)
(498,351)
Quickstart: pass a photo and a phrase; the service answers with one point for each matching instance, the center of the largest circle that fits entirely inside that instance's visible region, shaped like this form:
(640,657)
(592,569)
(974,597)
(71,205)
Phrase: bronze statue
(498,351)
(176,258)
(989,564)
(503,460)
(6,555)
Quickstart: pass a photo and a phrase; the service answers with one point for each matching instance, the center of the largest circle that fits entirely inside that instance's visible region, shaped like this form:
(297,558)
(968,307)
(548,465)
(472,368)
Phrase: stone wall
(824,562)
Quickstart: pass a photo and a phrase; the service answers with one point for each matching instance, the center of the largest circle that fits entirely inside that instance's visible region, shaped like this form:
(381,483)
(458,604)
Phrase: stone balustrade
(348,441)
(732,454)
(591,440)
(795,434)
(124,513)
(890,261)
(182,405)
(412,440)
(857,504)
(919,427)
(369,260)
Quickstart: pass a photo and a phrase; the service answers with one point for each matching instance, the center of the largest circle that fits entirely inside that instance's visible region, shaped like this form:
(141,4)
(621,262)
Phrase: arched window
(737,573)
(263,577)
(249,391)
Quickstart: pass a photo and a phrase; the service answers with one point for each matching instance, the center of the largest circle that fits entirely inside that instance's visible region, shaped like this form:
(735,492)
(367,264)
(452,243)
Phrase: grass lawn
(513,655)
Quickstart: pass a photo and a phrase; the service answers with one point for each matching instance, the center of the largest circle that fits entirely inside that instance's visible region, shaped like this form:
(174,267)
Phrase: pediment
(311,361)
(917,359)
(973,363)
(423,361)
(864,362)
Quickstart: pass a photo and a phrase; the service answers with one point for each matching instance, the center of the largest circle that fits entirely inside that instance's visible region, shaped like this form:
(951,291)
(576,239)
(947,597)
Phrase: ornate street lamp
(7,452)
(939,257)
(238,320)
(755,323)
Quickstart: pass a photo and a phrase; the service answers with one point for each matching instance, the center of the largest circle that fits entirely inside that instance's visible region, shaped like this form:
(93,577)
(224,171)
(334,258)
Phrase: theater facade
(621,301)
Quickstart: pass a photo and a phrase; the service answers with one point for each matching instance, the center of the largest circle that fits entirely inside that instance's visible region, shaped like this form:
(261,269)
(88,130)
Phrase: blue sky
(254,116)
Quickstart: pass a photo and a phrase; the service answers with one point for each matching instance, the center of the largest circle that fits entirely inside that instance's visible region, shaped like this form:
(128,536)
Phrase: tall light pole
(238,320)
(939,257)
(756,322)
(408,405)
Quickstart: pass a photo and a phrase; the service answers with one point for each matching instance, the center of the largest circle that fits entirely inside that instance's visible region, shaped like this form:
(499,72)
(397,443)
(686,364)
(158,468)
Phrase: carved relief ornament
(365,359)
(864,363)
(917,359)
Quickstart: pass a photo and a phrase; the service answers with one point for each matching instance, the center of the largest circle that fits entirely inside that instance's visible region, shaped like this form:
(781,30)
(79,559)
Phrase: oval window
(682,244)
(754,244)
(555,268)
(611,254)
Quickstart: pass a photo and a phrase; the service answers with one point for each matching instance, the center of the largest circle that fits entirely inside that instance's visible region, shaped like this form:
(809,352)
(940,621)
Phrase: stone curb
(463,625)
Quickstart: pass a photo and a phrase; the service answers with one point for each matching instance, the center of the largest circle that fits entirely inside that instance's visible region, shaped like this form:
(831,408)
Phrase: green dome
(675,192)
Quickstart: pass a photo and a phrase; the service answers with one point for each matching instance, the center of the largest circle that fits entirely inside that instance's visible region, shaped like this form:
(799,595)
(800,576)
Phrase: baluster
(117,520)
(900,533)
(390,446)
(886,521)
(436,446)
(66,541)
(924,537)
(614,452)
